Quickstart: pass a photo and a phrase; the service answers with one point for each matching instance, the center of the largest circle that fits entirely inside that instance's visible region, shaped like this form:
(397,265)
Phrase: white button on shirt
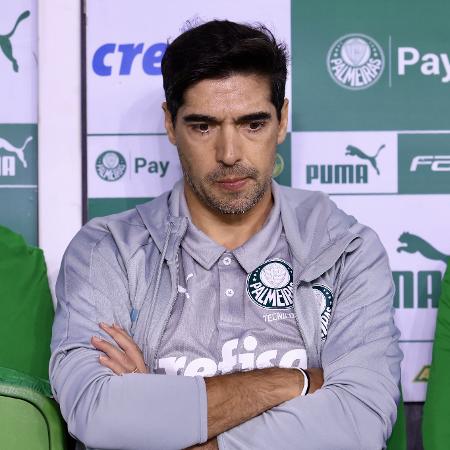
(229,292)
(227,260)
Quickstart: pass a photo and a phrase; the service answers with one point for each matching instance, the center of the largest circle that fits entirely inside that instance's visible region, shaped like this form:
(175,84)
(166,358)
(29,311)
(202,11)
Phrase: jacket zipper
(137,306)
(297,285)
(174,295)
(153,301)
(333,309)
(296,288)
(167,318)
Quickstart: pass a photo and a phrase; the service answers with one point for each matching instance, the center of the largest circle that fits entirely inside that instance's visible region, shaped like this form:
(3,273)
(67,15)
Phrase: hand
(126,359)
(208,445)
(315,379)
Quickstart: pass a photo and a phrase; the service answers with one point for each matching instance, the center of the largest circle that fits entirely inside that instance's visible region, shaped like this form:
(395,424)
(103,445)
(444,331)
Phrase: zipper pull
(134,313)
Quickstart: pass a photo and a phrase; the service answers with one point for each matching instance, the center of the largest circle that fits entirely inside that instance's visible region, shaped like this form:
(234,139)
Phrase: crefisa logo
(355,61)
(110,165)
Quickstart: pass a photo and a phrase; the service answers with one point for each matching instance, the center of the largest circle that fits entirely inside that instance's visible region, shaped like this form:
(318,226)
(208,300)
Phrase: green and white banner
(18,117)
(368,88)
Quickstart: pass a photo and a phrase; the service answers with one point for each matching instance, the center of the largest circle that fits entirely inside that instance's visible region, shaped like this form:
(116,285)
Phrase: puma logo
(5,41)
(183,290)
(355,151)
(414,243)
(19,151)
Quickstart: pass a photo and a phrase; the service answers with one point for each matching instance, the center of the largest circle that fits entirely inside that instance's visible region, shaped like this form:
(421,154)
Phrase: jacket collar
(316,230)
(156,217)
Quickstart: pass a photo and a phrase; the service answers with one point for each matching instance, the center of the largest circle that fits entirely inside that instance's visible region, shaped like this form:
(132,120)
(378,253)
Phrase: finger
(133,352)
(121,330)
(116,367)
(118,328)
(113,353)
(124,341)
(130,360)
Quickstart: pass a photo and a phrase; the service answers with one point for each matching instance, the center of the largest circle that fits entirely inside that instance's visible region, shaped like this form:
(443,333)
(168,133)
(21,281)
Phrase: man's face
(226,134)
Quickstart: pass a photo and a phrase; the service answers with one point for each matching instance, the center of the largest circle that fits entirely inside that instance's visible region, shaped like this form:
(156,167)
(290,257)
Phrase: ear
(282,126)
(169,124)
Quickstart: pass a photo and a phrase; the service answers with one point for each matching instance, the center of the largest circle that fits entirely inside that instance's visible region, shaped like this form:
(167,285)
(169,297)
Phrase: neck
(228,230)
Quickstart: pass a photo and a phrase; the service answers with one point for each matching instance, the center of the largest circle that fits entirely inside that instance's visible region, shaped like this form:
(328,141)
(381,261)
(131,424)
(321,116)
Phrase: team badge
(270,285)
(110,165)
(278,167)
(325,297)
(355,61)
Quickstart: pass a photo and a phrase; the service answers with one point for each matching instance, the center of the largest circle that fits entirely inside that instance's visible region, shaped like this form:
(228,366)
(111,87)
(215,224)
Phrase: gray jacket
(123,269)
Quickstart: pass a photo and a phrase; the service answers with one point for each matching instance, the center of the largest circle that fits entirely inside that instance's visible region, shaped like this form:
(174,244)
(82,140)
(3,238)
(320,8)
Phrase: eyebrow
(254,117)
(200,118)
(204,118)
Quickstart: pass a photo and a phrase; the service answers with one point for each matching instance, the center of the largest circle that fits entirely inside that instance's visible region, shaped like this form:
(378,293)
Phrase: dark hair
(217,49)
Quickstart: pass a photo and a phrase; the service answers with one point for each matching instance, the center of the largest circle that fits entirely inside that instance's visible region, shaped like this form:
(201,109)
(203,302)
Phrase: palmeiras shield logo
(355,61)
(270,285)
(110,165)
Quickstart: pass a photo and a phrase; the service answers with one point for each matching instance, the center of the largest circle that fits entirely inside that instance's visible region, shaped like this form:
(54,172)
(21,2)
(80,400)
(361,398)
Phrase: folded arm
(137,410)
(102,410)
(356,407)
(232,399)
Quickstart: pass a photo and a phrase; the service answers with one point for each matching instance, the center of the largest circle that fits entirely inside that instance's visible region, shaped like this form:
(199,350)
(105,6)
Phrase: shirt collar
(206,251)
(257,249)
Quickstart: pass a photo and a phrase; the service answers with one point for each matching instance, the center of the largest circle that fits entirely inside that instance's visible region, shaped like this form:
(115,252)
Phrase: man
(230,280)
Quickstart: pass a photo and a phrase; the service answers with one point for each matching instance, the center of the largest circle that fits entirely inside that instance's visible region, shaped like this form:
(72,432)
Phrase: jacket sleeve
(103,410)
(356,407)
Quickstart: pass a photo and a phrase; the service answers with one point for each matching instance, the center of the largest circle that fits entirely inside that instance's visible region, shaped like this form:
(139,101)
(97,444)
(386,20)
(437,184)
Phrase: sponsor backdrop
(368,88)
(18,117)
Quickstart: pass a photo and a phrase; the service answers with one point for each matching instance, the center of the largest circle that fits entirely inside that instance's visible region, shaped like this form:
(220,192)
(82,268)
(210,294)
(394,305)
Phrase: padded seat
(29,419)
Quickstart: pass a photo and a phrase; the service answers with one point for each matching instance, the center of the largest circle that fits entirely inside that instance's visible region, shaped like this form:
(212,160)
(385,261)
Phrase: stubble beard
(228,203)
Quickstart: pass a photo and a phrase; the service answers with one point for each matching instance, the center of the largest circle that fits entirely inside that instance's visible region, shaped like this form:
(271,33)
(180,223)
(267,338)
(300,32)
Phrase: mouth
(233,184)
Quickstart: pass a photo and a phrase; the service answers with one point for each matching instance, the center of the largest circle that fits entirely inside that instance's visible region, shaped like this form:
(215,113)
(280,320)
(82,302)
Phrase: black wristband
(309,381)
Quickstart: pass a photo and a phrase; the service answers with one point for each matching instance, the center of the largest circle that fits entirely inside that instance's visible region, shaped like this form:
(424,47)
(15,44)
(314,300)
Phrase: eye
(202,128)
(255,126)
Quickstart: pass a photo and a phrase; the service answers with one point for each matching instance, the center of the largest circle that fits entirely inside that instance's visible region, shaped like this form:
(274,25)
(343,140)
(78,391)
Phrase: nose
(228,149)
